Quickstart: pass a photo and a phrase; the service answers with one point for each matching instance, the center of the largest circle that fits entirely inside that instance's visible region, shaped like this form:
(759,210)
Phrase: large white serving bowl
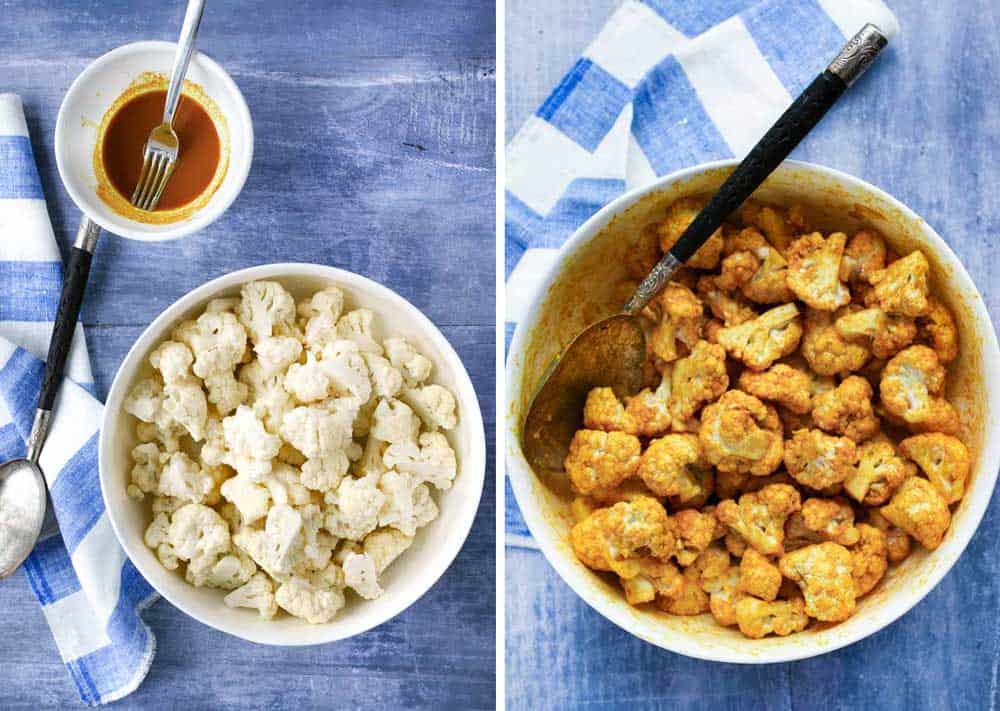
(409,577)
(580,289)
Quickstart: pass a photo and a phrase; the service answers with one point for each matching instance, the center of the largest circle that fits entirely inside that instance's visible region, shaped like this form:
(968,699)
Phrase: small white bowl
(562,308)
(93,93)
(409,577)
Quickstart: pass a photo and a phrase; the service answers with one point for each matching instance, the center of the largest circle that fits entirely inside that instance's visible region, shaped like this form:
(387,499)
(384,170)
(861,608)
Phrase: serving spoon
(611,352)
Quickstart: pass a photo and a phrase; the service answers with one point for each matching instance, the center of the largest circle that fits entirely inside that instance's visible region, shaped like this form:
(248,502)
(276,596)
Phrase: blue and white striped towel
(667,84)
(91,595)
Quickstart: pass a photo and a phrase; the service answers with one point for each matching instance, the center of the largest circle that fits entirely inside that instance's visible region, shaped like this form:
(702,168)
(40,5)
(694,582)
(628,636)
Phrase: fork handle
(185,48)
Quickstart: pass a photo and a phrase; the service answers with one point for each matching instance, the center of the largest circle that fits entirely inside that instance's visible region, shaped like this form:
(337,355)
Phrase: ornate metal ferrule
(858,54)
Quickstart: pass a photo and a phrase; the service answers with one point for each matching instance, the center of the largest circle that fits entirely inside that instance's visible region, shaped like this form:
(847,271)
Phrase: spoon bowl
(22,511)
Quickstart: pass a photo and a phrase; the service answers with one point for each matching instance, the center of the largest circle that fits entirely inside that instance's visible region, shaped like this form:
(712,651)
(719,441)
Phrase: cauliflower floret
(911,387)
(691,600)
(847,410)
(321,312)
(266,310)
(655,578)
(218,342)
(408,504)
(814,270)
(347,371)
(324,435)
(148,461)
(766,284)
(404,357)
(937,327)
(902,288)
(145,400)
(680,214)
(863,256)
(361,576)
(943,458)
(157,537)
(759,517)
(739,433)
(183,479)
(257,594)
(779,226)
(826,351)
(185,404)
(818,460)
(276,353)
(616,538)
(307,382)
(434,404)
(225,391)
(270,399)
(680,317)
(604,411)
(697,379)
(783,384)
(693,531)
(250,447)
(226,573)
(880,471)
(393,421)
(824,573)
(736,270)
(432,460)
(731,309)
(353,508)
(359,326)
(673,466)
(723,594)
(758,618)
(301,598)
(648,412)
(386,381)
(601,460)
(886,335)
(230,304)
(285,486)
(758,343)
(279,546)
(831,519)
(250,498)
(173,360)
(198,532)
(758,576)
(897,540)
(870,559)
(920,510)
(385,545)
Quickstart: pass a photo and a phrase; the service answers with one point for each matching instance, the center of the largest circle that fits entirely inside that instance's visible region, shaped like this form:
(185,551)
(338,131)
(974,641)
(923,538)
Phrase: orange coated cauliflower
(739,433)
(911,388)
(601,460)
(902,287)
(870,559)
(826,351)
(818,460)
(679,215)
(758,343)
(673,466)
(697,379)
(864,255)
(693,532)
(824,573)
(758,618)
(691,600)
(759,517)
(759,576)
(880,471)
(943,458)
(937,328)
(655,578)
(723,594)
(831,519)
(896,539)
(616,538)
(782,384)
(680,318)
(885,334)
(736,270)
(604,411)
(847,410)
(777,225)
(814,271)
(649,411)
(920,510)
(731,309)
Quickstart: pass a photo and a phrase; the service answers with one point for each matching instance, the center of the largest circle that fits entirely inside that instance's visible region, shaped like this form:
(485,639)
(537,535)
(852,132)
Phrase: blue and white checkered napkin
(667,84)
(91,594)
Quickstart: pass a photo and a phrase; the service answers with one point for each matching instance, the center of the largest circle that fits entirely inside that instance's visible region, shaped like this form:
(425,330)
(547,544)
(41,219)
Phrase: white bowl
(93,93)
(409,577)
(562,308)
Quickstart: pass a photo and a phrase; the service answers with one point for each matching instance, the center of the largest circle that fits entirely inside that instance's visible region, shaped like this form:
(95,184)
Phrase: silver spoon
(611,352)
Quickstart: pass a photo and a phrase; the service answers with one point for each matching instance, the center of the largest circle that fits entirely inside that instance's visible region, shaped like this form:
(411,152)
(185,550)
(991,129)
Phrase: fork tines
(157,165)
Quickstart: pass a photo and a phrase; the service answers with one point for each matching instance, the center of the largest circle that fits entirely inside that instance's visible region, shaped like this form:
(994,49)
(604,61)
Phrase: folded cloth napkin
(666,85)
(91,595)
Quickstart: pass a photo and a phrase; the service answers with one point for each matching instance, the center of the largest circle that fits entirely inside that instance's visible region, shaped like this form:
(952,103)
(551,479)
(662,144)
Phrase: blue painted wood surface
(374,151)
(925,126)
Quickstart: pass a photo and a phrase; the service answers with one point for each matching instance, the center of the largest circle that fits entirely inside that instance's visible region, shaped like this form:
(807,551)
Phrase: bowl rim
(521,476)
(475,460)
(208,214)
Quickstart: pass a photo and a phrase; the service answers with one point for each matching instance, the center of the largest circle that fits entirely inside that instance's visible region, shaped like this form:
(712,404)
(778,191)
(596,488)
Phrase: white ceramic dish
(96,89)
(562,308)
(409,577)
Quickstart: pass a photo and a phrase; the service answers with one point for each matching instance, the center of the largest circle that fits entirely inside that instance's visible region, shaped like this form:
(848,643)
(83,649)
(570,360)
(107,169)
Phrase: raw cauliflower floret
(404,357)
(183,479)
(818,460)
(863,256)
(680,214)
(266,309)
(430,460)
(880,471)
(656,578)
(359,326)
(185,404)
(920,510)
(937,327)
(145,401)
(826,351)
(847,410)
(824,573)
(943,458)
(911,388)
(408,504)
(814,270)
(731,309)
(886,335)
(321,313)
(267,392)
(616,538)
(226,573)
(250,447)
(361,576)
(759,517)
(902,287)
(741,434)
(198,532)
(601,460)
(279,546)
(394,421)
(870,559)
(434,405)
(157,537)
(307,382)
(699,378)
(302,598)
(218,342)
(648,412)
(680,317)
(250,498)
(831,519)
(757,618)
(148,461)
(673,466)
(694,530)
(386,381)
(783,384)
(353,507)
(763,340)
(347,370)
(385,545)
(897,540)
(225,391)
(173,360)
(324,435)
(257,594)
(276,353)
(758,576)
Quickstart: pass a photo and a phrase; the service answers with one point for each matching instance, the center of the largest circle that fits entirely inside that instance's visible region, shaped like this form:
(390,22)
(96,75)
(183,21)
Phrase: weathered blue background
(925,125)
(374,151)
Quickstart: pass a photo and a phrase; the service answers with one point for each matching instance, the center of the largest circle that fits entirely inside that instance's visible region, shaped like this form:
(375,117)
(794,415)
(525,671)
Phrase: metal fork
(160,155)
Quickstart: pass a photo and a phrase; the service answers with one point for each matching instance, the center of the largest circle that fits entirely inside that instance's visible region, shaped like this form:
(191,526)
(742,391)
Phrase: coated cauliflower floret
(739,433)
(758,576)
(361,576)
(680,214)
(824,573)
(434,405)
(757,618)
(649,410)
(766,283)
(250,447)
(656,578)
(826,351)
(694,530)
(359,326)
(257,594)
(783,384)
(937,328)
(279,546)
(157,537)
(691,600)
(847,410)
(884,334)
(943,458)
(673,466)
(680,318)
(182,479)
(920,510)
(759,517)
(198,532)
(729,308)
(779,226)
(266,309)
(880,471)
(616,538)
(408,504)
(902,287)
(896,539)
(604,411)
(431,460)
(870,559)
(601,460)
(353,508)
(863,256)
(699,378)
(814,270)
(818,460)
(831,519)
(302,598)
(723,594)
(911,388)
(405,358)
(763,340)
